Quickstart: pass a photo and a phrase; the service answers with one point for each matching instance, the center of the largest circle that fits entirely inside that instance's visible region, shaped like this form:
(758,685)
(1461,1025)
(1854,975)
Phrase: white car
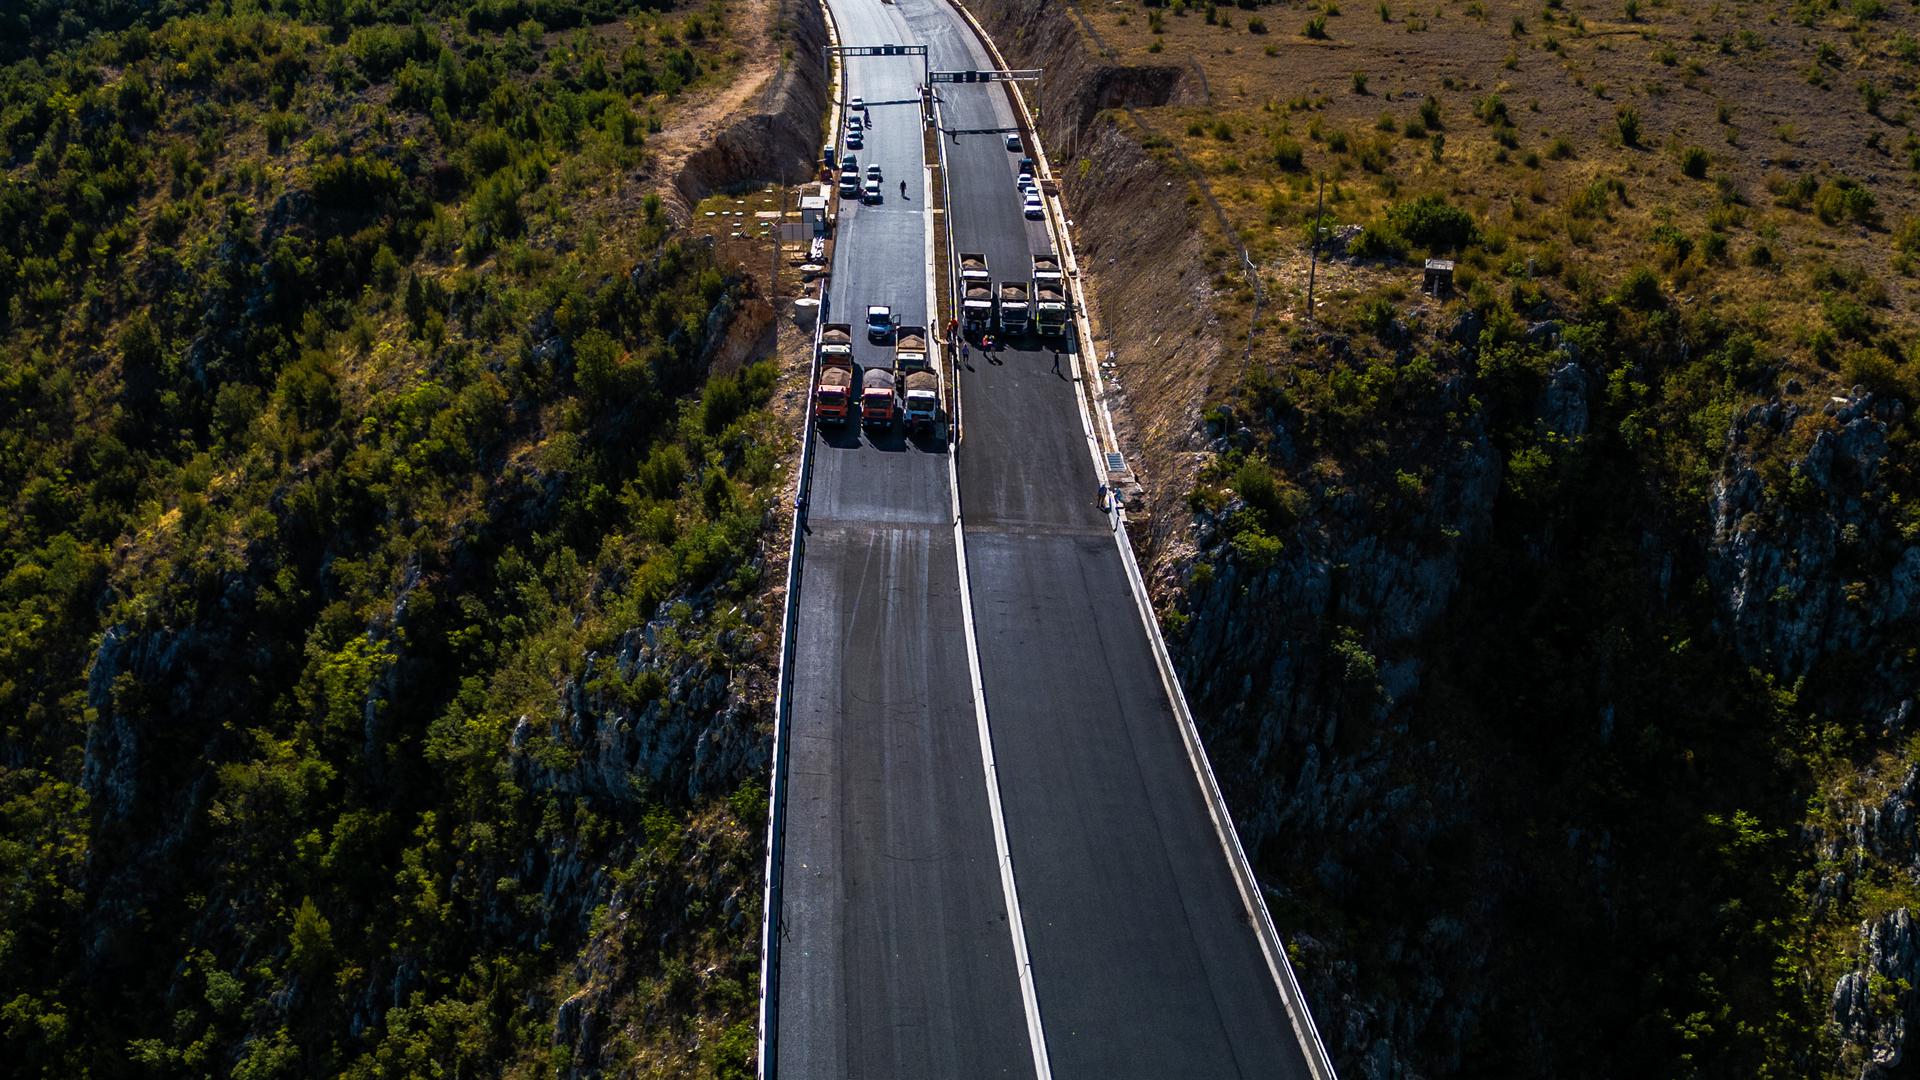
(873,172)
(857,104)
(1031,207)
(1013,143)
(871,193)
(1025,184)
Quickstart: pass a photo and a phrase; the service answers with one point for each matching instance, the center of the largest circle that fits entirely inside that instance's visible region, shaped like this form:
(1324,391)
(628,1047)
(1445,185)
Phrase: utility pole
(1319,213)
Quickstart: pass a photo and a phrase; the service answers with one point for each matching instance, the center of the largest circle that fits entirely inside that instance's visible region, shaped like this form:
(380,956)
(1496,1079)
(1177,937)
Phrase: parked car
(848,162)
(879,321)
(849,183)
(1013,143)
(854,124)
(857,104)
(873,172)
(854,141)
(1026,166)
(871,193)
(1031,207)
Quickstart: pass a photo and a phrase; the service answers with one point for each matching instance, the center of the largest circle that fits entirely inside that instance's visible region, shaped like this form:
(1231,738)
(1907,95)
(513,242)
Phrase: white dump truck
(919,379)
(976,293)
(1049,296)
(1015,309)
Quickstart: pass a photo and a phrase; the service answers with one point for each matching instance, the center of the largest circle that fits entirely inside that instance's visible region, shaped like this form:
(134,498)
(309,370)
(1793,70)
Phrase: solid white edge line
(1285,981)
(767,1040)
(1016,924)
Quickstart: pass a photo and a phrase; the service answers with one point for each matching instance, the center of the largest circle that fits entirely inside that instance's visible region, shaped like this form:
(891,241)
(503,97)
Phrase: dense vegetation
(1553,636)
(1625,851)
(352,400)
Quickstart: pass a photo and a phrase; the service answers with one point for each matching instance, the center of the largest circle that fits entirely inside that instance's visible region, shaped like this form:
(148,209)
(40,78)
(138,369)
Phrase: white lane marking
(1288,985)
(1016,924)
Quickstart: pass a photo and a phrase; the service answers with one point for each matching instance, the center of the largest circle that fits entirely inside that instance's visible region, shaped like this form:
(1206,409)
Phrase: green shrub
(1640,290)
(1881,374)
(1376,241)
(1906,238)
(1287,153)
(1844,199)
(1431,222)
(1430,114)
(1627,122)
(1316,28)
(1693,162)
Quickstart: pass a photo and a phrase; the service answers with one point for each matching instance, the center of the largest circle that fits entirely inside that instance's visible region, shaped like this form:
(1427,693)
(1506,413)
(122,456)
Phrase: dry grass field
(1757,158)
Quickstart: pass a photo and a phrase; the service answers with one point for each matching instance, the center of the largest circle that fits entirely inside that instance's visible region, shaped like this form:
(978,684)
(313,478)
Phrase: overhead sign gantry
(884,50)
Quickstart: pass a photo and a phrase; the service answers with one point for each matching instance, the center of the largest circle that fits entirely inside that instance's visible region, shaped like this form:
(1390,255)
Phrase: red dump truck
(976,301)
(918,378)
(879,398)
(833,392)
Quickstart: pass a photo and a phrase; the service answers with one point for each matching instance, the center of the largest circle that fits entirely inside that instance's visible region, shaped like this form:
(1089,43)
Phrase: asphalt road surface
(896,959)
(1145,959)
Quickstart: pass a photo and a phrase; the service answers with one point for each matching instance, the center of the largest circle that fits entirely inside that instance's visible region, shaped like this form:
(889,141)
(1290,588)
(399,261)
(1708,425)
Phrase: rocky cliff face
(1810,567)
(1806,565)
(777,138)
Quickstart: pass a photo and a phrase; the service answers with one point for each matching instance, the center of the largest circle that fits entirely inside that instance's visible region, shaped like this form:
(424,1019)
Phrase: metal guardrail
(770,927)
(1305,1030)
(770,924)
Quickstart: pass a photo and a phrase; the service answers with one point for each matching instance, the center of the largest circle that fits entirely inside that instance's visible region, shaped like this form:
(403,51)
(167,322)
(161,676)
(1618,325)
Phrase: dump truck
(918,378)
(976,301)
(836,345)
(1049,296)
(833,395)
(879,401)
(910,348)
(1013,308)
(976,308)
(833,390)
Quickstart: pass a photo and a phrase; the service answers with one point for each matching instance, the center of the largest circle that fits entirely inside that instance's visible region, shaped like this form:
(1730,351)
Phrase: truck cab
(879,400)
(833,395)
(1015,308)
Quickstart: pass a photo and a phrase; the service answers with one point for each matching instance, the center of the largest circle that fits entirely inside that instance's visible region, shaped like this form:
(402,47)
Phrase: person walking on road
(903,189)
(1056,361)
